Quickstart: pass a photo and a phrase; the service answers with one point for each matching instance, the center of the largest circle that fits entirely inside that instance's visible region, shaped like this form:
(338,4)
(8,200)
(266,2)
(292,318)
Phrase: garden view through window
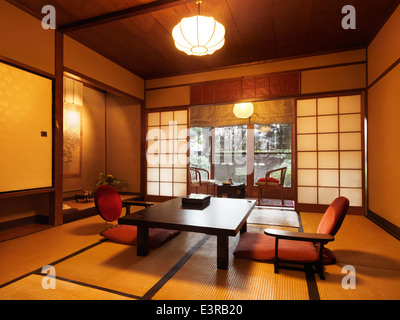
(232,157)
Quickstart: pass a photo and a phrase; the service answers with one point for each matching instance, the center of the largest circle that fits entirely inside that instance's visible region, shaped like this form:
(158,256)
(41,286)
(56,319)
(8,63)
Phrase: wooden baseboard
(17,222)
(384,224)
(73,215)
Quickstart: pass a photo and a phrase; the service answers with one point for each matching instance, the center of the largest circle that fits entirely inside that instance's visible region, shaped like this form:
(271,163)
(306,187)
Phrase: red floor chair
(109,205)
(271,183)
(296,247)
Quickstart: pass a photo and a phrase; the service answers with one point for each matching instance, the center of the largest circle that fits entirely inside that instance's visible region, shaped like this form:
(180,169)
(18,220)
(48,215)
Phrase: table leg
(142,241)
(244,228)
(222,252)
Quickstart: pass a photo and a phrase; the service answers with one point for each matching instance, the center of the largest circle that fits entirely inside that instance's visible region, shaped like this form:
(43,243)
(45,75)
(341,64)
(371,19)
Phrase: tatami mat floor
(87,267)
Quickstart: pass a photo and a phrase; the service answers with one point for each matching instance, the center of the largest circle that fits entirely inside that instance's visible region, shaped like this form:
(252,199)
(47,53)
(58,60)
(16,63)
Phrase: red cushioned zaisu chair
(109,206)
(296,247)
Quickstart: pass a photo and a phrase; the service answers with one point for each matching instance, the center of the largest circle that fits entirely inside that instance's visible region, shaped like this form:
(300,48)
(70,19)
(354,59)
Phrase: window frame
(251,188)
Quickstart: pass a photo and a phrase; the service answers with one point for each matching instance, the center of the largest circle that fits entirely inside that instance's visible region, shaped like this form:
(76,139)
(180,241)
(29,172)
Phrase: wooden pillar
(56,197)
(143,166)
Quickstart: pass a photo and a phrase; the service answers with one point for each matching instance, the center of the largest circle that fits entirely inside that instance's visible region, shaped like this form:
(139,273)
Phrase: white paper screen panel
(327,106)
(350,104)
(179,189)
(325,195)
(307,142)
(354,196)
(329,149)
(167,146)
(180,117)
(328,141)
(307,125)
(153,174)
(307,177)
(166,174)
(166,117)
(306,107)
(307,195)
(327,124)
(328,178)
(153,188)
(307,160)
(166,189)
(350,141)
(153,119)
(350,122)
(328,160)
(180,175)
(351,178)
(351,160)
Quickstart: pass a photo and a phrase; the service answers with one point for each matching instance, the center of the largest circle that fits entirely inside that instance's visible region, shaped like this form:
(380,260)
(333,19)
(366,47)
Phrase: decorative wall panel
(249,88)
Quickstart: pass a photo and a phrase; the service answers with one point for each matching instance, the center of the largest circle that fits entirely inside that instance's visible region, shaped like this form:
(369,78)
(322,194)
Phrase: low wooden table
(129,203)
(85,197)
(234,190)
(222,218)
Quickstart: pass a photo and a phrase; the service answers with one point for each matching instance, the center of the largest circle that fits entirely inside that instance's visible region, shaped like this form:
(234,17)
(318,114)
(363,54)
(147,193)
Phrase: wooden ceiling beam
(122,14)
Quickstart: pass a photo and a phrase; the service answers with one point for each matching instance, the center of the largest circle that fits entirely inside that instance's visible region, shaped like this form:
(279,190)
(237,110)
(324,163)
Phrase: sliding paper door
(167,153)
(330,150)
(26,102)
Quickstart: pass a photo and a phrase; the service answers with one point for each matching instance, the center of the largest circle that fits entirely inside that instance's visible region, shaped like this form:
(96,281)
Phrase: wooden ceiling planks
(292,26)
(256,30)
(254,23)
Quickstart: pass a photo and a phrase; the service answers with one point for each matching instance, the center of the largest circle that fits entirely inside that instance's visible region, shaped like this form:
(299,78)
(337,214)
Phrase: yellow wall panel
(385,48)
(86,61)
(383,139)
(123,140)
(25,112)
(333,79)
(23,39)
(168,97)
(261,68)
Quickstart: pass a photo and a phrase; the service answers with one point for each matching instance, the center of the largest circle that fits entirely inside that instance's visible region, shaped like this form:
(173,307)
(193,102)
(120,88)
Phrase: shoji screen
(167,148)
(329,134)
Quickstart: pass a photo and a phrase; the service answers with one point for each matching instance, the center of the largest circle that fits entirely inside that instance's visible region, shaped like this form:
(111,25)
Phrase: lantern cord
(198,2)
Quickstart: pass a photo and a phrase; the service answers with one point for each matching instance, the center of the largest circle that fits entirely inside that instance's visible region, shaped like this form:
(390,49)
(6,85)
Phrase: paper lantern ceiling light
(199,35)
(243,110)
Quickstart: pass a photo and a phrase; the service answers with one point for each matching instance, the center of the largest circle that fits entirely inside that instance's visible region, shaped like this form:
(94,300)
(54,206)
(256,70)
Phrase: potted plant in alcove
(110,180)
